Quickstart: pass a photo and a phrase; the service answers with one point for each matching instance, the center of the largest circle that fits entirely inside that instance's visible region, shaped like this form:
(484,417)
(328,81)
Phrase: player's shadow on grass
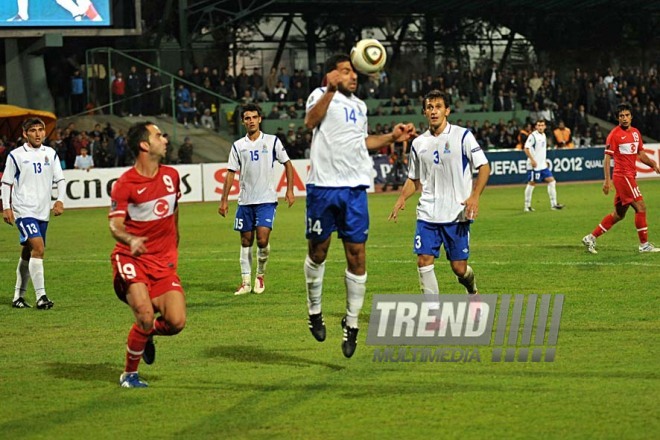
(84,372)
(244,353)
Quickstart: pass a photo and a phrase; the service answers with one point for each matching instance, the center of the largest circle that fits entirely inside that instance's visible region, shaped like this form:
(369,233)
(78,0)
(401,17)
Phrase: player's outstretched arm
(118,231)
(409,188)
(400,133)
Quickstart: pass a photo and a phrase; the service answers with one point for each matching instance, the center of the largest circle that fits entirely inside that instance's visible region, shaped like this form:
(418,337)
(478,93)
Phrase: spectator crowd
(568,104)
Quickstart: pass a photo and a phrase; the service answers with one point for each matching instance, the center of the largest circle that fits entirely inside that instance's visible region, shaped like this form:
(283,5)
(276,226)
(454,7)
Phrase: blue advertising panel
(566,165)
(54,13)
(508,167)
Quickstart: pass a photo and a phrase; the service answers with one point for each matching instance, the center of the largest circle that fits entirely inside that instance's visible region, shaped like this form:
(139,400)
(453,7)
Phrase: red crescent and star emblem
(161,208)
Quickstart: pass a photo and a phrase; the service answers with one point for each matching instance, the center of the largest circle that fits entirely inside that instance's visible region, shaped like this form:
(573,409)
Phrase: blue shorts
(29,227)
(250,217)
(344,210)
(538,176)
(454,236)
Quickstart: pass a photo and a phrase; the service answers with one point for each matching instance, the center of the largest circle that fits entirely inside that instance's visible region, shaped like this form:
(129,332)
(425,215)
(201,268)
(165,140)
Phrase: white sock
(262,259)
(428,283)
(552,193)
(529,189)
(246,264)
(356,289)
(23,9)
(22,278)
(468,281)
(314,278)
(36,268)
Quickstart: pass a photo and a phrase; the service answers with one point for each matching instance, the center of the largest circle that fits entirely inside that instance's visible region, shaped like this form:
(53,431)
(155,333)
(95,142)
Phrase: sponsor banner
(92,189)
(566,165)
(214,175)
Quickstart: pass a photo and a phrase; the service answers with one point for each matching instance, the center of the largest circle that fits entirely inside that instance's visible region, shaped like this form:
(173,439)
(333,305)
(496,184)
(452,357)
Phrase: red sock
(642,227)
(605,225)
(161,327)
(137,339)
(91,12)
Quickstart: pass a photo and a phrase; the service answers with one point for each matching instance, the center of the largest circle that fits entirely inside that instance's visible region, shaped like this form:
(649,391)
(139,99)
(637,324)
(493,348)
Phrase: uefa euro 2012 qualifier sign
(518,328)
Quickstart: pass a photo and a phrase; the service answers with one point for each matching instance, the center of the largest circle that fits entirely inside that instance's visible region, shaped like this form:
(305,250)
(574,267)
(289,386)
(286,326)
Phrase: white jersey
(339,155)
(537,144)
(444,165)
(32,173)
(255,161)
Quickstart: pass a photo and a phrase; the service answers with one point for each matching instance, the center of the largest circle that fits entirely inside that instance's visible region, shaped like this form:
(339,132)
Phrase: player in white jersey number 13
(441,163)
(338,178)
(30,173)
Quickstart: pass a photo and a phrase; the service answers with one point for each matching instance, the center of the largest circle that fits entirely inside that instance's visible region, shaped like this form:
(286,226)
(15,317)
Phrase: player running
(625,145)
(144,222)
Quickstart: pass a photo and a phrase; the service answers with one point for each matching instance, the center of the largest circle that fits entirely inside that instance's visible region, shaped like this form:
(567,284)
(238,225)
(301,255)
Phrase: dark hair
(136,134)
(30,122)
(540,120)
(435,94)
(332,62)
(251,108)
(623,107)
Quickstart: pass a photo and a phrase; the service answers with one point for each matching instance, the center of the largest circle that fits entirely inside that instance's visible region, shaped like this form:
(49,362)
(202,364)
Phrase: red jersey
(148,206)
(623,146)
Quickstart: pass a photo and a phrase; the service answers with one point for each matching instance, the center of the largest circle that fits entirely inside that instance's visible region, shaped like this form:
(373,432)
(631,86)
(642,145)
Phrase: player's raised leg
(355,279)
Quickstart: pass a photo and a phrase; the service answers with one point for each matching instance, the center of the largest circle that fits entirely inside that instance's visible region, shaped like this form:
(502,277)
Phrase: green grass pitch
(247,367)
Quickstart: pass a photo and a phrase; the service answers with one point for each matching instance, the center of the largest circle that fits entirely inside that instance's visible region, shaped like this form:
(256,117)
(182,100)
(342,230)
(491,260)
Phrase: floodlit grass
(247,367)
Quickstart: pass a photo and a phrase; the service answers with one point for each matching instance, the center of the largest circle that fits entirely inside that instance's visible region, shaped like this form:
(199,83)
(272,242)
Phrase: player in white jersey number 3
(441,163)
(29,175)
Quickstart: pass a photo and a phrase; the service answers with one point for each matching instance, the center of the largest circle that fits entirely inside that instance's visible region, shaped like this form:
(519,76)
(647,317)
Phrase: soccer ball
(368,56)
